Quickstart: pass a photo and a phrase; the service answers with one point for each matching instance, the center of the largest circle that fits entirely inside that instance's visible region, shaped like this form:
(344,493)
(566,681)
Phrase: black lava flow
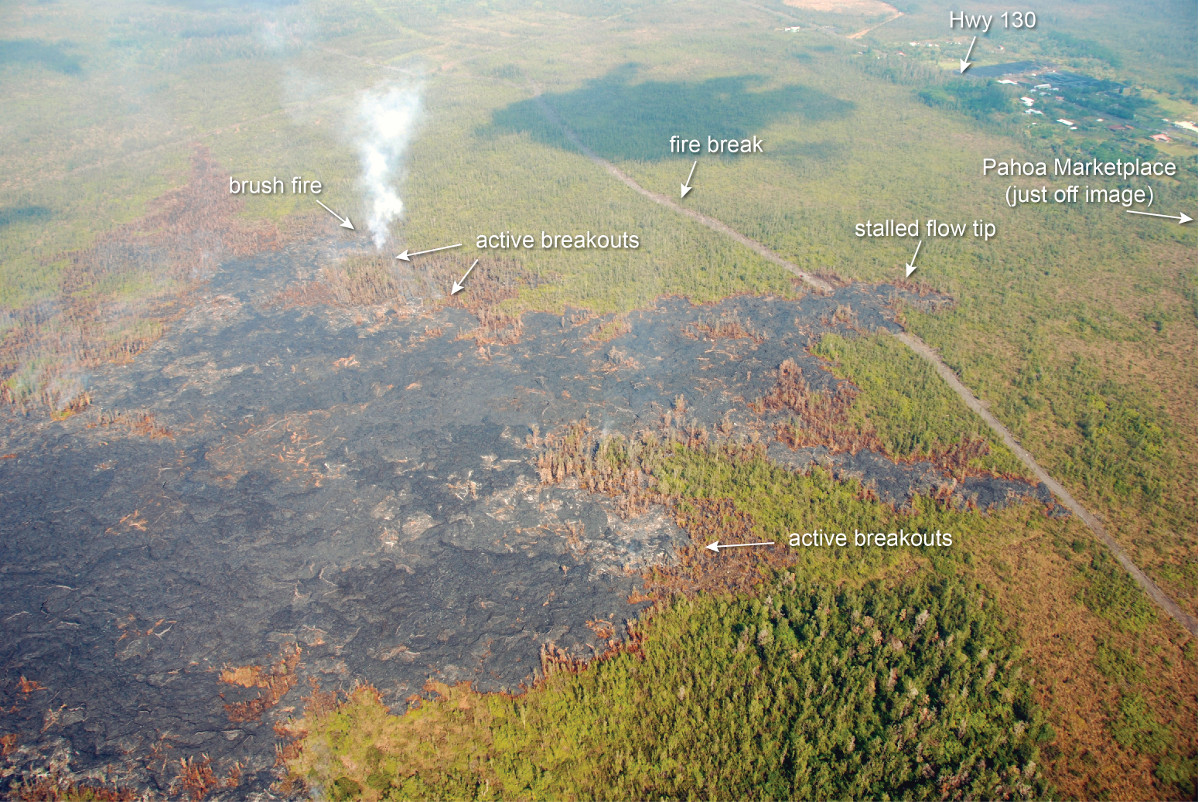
(367,494)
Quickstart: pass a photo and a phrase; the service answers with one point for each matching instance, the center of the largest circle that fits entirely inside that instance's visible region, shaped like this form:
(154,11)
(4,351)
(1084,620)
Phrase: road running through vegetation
(918,346)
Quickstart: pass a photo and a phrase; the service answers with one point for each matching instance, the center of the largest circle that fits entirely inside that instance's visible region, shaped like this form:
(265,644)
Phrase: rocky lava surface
(266,484)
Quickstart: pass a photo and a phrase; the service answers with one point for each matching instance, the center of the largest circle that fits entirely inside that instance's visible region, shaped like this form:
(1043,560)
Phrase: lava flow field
(273,497)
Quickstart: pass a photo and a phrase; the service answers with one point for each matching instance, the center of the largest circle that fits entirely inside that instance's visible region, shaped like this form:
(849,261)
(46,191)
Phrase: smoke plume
(387,120)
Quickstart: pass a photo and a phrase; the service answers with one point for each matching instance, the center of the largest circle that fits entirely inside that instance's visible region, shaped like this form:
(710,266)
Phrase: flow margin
(920,348)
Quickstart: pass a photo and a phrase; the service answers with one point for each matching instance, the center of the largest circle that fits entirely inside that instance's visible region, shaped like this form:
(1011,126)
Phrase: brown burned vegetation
(375,284)
(824,418)
(738,570)
(488,287)
(196,778)
(53,789)
(291,731)
(609,466)
(726,326)
(116,296)
(28,686)
(360,280)
(496,328)
(823,415)
(627,471)
(272,683)
(142,424)
(555,660)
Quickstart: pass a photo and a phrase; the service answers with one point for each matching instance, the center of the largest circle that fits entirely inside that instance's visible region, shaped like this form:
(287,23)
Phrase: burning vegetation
(373,286)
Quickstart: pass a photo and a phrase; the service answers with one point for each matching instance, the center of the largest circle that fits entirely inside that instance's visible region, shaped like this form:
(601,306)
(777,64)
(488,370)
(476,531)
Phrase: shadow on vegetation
(10,215)
(621,119)
(31,51)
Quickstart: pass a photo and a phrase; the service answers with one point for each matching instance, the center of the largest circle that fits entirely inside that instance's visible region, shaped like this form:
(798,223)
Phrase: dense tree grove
(801,691)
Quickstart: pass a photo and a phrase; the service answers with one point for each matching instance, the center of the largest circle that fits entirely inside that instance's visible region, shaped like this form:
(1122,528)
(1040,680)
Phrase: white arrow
(964,63)
(1181,217)
(458,285)
(912,265)
(685,187)
(406,256)
(345,222)
(716,546)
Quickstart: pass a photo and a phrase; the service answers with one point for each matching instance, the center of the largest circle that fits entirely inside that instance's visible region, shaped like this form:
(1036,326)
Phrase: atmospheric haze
(386,121)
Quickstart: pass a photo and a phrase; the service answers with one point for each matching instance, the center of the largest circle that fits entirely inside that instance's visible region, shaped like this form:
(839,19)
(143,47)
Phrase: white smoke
(387,120)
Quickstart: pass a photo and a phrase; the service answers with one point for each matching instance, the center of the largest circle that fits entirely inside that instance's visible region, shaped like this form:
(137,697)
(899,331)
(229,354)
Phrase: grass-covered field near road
(906,404)
(1065,307)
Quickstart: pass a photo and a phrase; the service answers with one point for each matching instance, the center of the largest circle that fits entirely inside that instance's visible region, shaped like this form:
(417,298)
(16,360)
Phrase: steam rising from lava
(387,120)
